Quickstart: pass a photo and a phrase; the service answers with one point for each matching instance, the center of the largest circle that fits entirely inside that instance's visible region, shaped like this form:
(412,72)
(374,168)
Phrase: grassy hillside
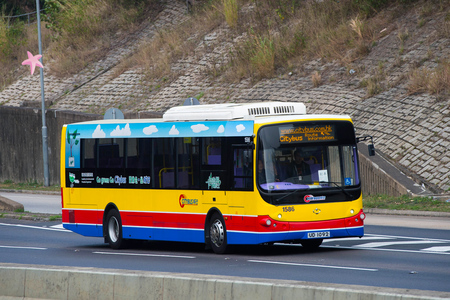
(268,37)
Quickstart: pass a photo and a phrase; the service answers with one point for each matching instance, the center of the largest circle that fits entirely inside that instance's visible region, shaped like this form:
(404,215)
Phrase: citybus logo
(309,198)
(183,201)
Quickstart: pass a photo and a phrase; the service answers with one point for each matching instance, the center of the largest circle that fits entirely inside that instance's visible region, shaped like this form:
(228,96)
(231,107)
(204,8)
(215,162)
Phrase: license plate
(318,234)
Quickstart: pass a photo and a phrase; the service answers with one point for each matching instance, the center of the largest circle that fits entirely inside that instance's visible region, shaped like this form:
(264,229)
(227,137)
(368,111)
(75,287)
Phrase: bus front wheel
(217,234)
(113,232)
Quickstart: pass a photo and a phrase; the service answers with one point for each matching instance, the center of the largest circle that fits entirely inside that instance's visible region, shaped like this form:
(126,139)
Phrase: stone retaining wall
(413,131)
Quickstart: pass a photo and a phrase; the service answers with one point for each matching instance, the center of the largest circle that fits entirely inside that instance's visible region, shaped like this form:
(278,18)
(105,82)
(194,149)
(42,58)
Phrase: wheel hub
(113,229)
(217,233)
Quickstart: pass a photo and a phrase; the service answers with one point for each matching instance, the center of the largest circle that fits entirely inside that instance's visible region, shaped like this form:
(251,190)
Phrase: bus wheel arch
(215,231)
(112,227)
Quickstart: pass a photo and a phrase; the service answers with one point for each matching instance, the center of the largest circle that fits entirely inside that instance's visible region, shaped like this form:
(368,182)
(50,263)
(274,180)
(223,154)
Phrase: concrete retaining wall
(376,181)
(23,282)
(21,148)
(21,142)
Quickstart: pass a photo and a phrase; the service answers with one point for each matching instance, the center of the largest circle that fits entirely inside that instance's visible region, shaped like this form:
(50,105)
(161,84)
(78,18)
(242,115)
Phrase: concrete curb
(52,282)
(30,192)
(415,213)
(10,205)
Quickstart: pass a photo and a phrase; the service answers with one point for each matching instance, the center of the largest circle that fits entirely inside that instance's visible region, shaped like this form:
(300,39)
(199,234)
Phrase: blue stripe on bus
(85,229)
(197,235)
(164,234)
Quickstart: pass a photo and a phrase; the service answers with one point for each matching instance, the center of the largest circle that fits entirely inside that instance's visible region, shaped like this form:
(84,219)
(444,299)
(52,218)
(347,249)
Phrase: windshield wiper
(337,184)
(289,194)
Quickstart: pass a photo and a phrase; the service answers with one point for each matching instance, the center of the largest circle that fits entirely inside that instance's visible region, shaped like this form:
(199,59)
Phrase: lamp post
(44,127)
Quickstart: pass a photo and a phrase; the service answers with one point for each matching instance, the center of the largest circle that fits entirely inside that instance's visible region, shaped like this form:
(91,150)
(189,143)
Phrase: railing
(28,16)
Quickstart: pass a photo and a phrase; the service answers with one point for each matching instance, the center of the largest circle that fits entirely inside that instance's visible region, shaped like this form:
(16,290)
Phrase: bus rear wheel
(311,244)
(113,231)
(217,234)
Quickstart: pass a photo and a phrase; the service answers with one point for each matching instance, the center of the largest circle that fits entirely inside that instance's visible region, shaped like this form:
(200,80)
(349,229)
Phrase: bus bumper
(270,230)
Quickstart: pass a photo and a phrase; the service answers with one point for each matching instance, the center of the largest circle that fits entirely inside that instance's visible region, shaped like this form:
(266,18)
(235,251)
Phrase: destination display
(305,133)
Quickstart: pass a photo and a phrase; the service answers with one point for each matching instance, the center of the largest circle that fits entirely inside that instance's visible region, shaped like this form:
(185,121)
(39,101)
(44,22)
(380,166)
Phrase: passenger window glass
(242,168)
(87,153)
(164,162)
(110,153)
(212,151)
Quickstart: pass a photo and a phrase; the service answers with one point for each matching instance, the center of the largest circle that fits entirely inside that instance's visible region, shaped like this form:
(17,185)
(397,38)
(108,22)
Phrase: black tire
(311,245)
(113,229)
(217,234)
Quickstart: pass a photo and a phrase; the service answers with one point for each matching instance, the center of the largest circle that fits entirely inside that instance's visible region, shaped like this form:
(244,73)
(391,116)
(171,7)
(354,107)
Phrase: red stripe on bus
(197,221)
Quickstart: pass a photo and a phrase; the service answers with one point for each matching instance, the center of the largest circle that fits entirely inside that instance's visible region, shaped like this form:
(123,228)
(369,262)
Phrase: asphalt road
(36,203)
(388,256)
(397,251)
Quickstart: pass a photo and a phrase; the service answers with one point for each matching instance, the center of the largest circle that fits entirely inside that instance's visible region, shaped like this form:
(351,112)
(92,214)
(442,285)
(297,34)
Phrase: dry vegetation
(75,33)
(270,37)
(15,41)
(435,81)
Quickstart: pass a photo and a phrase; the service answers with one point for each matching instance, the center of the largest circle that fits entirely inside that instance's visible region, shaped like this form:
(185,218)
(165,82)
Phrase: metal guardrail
(28,15)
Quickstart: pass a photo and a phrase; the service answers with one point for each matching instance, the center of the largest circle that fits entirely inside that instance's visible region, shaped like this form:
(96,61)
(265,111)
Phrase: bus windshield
(307,155)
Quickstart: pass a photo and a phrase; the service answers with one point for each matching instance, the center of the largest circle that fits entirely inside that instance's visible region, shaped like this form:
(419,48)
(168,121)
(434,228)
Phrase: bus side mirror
(371,149)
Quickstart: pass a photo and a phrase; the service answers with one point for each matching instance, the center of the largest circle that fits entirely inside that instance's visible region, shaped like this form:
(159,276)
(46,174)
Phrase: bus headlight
(362,216)
(279,216)
(352,211)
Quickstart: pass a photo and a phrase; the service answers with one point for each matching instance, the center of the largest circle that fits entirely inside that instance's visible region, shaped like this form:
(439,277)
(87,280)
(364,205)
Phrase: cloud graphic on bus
(199,128)
(174,131)
(240,127)
(221,129)
(150,129)
(98,132)
(121,132)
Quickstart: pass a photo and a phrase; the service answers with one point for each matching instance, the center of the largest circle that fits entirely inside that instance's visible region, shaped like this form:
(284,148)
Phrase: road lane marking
(364,238)
(34,227)
(438,249)
(407,237)
(59,226)
(386,249)
(390,243)
(310,265)
(22,247)
(145,254)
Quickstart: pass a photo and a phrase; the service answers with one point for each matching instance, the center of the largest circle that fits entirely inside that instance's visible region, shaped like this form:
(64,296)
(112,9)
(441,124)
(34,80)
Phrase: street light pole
(44,127)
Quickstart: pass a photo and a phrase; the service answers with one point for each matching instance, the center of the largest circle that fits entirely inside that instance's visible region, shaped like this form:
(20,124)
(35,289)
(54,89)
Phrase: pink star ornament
(32,61)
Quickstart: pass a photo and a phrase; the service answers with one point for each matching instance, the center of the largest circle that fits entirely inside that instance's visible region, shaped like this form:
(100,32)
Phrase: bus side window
(212,151)
(242,168)
(110,153)
(87,153)
(164,162)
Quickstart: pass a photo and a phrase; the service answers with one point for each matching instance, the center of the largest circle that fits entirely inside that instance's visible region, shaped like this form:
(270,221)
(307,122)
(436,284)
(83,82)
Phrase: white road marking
(34,227)
(21,247)
(364,238)
(438,249)
(390,243)
(406,237)
(143,254)
(59,226)
(310,265)
(387,250)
